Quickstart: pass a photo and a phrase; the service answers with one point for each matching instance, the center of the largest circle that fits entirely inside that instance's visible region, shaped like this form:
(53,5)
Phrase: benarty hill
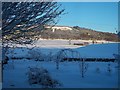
(76,32)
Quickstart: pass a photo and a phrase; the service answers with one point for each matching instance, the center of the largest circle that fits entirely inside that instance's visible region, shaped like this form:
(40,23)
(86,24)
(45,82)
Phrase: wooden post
(82,68)
(57,63)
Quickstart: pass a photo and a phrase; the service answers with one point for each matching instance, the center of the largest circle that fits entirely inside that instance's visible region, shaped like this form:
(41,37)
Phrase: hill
(76,32)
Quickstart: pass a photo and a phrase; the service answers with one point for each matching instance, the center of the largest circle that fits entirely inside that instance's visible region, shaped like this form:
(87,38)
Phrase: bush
(41,76)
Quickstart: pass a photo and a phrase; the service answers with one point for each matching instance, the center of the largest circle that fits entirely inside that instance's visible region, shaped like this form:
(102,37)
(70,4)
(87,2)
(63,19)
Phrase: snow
(91,51)
(99,50)
(69,74)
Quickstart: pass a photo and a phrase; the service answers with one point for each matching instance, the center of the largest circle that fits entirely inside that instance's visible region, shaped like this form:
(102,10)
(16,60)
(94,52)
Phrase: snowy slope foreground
(98,74)
(69,74)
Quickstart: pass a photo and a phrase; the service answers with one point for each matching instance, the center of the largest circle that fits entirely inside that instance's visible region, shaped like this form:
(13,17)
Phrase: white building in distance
(59,28)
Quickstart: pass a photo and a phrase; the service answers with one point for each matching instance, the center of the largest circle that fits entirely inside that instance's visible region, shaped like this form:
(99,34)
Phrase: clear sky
(100,16)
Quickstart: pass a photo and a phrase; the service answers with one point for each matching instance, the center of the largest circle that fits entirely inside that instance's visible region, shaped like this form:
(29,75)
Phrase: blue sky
(100,16)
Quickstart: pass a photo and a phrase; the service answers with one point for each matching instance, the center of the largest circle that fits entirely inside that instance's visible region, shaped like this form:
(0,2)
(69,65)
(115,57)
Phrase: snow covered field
(105,50)
(69,73)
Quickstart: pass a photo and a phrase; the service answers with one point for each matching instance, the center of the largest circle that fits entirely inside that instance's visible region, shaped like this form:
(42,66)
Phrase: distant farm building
(59,28)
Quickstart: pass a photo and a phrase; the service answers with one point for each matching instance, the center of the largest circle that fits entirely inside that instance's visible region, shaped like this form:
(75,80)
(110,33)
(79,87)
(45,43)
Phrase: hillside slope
(78,33)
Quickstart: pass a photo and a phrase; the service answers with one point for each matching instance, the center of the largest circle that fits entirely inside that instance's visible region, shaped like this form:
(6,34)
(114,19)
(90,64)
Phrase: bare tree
(24,20)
